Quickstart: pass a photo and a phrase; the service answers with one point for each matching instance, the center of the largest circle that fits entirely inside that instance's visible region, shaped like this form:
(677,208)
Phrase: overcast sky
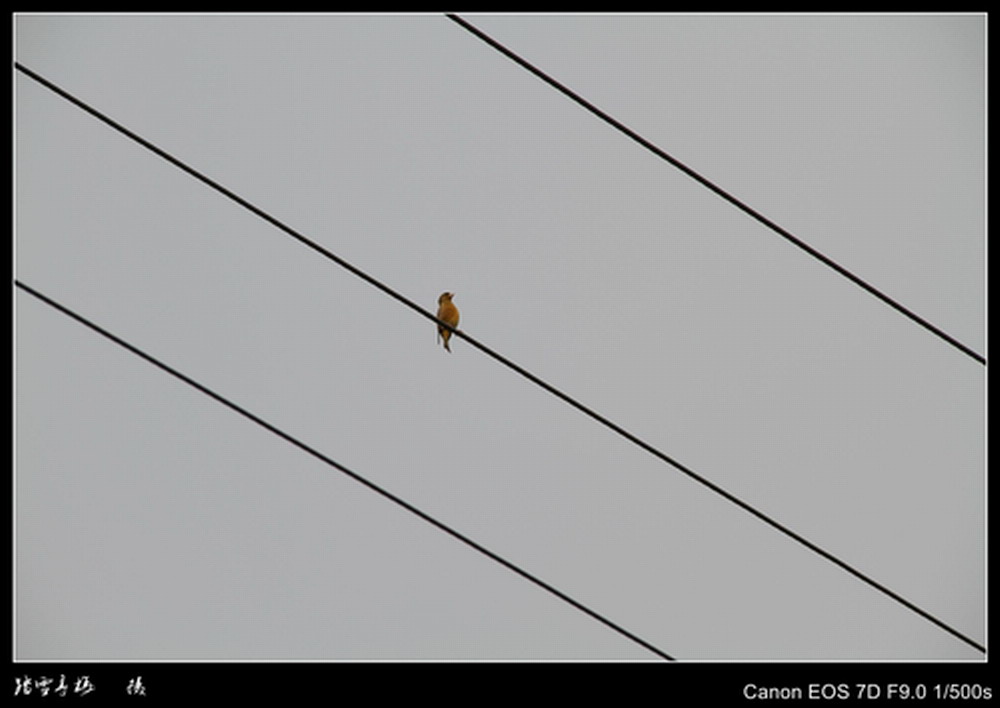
(154,523)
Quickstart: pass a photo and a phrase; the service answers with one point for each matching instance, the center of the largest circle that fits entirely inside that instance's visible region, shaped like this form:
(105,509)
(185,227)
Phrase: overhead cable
(333,463)
(502,359)
(895,304)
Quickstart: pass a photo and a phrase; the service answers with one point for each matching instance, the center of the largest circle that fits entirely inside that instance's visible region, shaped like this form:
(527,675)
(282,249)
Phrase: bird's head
(445,297)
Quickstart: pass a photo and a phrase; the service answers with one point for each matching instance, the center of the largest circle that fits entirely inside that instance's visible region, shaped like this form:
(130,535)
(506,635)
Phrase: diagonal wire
(715,188)
(354,475)
(507,362)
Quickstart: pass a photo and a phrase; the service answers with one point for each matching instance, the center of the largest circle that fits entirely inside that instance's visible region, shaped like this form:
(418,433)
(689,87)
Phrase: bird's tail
(446,345)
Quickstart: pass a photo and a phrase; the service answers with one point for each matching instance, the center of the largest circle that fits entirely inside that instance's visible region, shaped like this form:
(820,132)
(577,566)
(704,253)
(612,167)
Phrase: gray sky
(153,523)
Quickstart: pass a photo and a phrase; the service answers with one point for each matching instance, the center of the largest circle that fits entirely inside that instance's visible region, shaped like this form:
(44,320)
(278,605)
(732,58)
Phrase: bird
(447,312)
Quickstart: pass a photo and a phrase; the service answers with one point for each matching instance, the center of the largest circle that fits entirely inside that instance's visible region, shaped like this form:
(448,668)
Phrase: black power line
(717,189)
(354,475)
(505,361)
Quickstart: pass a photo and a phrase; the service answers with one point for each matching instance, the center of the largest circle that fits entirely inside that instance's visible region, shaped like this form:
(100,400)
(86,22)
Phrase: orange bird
(447,312)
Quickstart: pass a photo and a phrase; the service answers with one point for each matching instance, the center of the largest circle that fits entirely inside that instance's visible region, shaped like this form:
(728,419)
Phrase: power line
(333,463)
(505,361)
(715,188)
